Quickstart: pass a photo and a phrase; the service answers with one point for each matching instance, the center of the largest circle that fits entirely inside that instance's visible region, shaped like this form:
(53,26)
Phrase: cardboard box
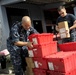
(64,35)
(29,62)
(29,71)
(63,27)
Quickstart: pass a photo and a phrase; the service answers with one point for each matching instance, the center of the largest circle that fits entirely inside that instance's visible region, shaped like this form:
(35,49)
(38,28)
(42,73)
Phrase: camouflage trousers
(18,61)
(73,36)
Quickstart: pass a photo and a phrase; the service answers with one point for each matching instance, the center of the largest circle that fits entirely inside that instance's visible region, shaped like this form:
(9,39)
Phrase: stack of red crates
(62,63)
(43,45)
(46,58)
(71,48)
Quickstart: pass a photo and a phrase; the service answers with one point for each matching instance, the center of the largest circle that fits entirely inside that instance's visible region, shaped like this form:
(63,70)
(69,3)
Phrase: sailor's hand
(29,44)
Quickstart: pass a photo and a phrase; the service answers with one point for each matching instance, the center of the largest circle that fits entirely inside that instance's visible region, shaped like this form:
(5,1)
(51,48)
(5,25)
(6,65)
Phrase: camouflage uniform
(73,35)
(18,53)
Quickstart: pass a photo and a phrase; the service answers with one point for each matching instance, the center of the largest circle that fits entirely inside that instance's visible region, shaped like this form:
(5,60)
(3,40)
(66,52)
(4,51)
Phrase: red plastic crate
(61,61)
(74,53)
(71,46)
(40,63)
(43,50)
(39,71)
(60,73)
(39,39)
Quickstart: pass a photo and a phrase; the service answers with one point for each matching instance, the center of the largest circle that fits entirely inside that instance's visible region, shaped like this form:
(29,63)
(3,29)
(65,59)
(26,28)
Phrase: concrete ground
(9,69)
(6,74)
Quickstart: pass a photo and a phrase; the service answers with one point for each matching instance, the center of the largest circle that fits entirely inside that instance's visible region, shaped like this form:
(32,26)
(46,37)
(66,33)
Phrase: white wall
(75,11)
(4,26)
(5,2)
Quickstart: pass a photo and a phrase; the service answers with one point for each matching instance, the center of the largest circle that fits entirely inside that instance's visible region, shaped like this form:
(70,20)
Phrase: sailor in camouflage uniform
(17,44)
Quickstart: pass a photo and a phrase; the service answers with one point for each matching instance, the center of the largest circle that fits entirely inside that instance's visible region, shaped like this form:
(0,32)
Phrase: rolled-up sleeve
(15,34)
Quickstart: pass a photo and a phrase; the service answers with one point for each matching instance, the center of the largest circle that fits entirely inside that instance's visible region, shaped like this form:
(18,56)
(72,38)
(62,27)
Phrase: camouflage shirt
(17,33)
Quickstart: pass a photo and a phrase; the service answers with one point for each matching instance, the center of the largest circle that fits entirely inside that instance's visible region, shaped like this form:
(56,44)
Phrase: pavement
(8,70)
(7,74)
